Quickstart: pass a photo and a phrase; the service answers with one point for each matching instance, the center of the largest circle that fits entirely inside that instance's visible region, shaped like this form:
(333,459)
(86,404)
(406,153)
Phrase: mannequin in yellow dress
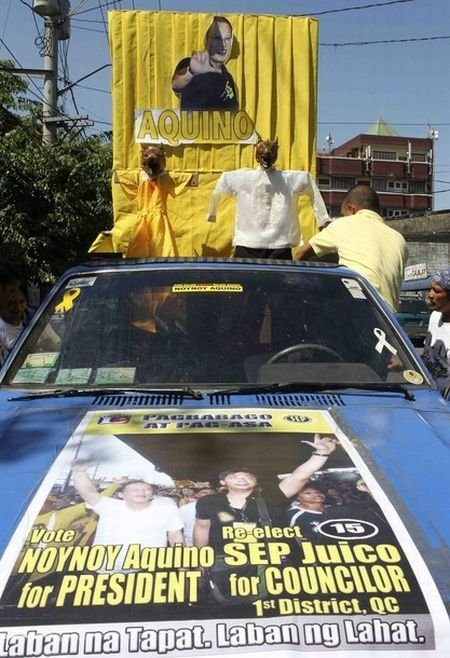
(147,232)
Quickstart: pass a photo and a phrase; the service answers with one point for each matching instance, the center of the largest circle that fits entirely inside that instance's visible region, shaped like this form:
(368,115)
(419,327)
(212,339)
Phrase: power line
(100,91)
(361,123)
(369,43)
(6,19)
(103,5)
(89,29)
(38,95)
(374,5)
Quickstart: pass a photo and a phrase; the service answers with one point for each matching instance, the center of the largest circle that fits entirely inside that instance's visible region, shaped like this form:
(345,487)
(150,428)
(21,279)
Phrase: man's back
(367,245)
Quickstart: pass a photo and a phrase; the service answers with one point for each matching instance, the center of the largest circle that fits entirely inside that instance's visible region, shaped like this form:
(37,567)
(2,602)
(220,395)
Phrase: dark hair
(363,197)
(231,471)
(125,484)
(212,29)
(311,485)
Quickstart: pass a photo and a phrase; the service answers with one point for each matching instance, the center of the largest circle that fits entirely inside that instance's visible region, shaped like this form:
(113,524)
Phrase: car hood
(380,552)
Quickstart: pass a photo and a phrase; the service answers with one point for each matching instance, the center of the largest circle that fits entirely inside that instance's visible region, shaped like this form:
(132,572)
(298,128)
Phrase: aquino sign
(206,88)
(214,532)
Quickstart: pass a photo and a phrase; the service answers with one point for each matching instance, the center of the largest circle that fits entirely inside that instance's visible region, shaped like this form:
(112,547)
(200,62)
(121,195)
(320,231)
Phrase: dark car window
(211,326)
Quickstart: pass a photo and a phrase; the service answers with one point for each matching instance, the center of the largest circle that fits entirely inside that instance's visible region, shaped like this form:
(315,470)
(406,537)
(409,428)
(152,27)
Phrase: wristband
(321,454)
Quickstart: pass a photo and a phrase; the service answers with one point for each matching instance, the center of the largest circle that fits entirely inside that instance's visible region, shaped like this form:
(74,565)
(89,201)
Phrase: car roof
(417,284)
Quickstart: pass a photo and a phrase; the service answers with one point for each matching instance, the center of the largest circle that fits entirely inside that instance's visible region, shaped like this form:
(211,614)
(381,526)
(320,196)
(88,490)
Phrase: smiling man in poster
(136,516)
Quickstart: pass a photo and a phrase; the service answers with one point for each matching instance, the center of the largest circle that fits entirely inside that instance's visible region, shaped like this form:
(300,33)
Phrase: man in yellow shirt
(363,243)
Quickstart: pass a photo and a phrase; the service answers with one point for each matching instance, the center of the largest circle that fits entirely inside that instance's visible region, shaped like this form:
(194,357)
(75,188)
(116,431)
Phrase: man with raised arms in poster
(137,516)
(243,504)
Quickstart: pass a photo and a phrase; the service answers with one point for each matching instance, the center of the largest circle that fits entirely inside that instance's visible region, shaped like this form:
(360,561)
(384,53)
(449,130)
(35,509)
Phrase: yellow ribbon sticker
(68,299)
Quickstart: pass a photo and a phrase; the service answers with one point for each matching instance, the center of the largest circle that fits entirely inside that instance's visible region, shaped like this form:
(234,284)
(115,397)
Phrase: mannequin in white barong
(267,224)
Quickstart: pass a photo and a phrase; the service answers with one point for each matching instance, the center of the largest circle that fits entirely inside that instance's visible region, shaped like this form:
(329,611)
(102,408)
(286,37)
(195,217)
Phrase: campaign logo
(298,419)
(113,419)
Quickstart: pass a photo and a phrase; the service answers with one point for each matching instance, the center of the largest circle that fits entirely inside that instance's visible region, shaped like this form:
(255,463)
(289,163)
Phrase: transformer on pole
(56,16)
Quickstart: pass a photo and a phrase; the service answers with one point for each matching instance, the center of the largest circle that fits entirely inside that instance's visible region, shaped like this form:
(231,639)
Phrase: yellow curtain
(274,66)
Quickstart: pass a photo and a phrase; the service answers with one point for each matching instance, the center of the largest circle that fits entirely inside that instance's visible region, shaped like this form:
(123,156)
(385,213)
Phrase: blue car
(223,458)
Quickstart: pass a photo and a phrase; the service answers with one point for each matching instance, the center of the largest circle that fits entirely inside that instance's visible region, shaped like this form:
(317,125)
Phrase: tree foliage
(54,200)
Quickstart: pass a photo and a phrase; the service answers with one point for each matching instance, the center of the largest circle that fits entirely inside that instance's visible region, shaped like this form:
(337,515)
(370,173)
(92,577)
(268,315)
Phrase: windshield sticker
(41,360)
(82,282)
(67,301)
(413,377)
(382,342)
(31,376)
(115,375)
(207,287)
(354,288)
(73,376)
(180,533)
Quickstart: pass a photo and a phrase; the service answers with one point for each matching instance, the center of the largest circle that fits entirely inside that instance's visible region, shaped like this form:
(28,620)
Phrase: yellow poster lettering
(55,536)
(128,588)
(221,128)
(168,126)
(242,126)
(147,128)
(190,126)
(34,596)
(344,553)
(339,579)
(69,558)
(170,557)
(255,553)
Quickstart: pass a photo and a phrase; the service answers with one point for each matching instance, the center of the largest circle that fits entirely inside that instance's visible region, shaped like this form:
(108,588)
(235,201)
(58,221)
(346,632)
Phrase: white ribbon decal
(382,342)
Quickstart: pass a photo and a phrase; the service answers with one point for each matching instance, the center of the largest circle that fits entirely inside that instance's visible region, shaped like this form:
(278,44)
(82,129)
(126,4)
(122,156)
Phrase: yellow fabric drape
(274,66)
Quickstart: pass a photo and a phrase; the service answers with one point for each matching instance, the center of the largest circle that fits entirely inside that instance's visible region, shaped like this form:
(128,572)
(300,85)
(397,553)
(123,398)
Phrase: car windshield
(211,326)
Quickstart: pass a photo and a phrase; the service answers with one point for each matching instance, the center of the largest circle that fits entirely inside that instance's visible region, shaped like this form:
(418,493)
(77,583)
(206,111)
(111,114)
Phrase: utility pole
(56,15)
(49,108)
(56,22)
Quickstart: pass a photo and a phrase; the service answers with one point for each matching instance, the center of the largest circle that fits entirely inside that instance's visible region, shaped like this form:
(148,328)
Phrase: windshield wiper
(184,391)
(291,387)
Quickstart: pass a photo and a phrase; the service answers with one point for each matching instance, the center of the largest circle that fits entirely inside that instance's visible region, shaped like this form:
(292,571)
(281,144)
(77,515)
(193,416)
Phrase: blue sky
(405,82)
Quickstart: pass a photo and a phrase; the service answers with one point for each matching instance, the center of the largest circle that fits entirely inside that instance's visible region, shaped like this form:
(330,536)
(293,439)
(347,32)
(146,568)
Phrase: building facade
(399,168)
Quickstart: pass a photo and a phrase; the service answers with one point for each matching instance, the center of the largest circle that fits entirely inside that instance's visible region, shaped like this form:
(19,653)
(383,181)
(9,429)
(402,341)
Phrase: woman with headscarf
(436,353)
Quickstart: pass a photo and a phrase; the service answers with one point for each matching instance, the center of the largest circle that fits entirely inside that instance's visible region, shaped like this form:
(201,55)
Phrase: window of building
(342,183)
(396,213)
(401,185)
(379,184)
(385,155)
(417,187)
(418,157)
(324,181)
